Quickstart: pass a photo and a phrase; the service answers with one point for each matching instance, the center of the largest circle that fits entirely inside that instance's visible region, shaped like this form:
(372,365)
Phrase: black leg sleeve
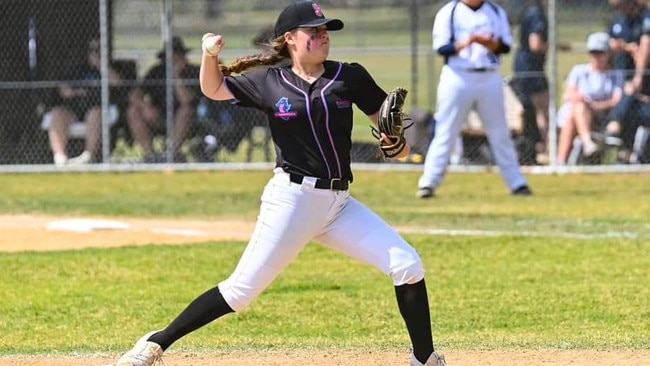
(413,304)
(203,310)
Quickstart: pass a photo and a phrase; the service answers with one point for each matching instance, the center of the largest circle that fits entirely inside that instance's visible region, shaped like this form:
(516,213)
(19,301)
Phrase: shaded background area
(390,37)
(39,37)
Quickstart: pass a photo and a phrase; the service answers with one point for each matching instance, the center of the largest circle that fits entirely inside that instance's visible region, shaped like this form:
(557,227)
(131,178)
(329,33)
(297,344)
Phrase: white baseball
(212,44)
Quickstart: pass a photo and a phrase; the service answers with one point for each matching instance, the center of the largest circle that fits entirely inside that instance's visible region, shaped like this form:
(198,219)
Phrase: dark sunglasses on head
(596,53)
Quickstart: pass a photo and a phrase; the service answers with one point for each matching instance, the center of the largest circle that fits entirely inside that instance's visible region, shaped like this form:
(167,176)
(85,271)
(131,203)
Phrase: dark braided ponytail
(277,52)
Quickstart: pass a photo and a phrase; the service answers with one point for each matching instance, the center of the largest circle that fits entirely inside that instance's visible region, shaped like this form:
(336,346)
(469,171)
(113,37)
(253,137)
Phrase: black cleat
(424,193)
(522,191)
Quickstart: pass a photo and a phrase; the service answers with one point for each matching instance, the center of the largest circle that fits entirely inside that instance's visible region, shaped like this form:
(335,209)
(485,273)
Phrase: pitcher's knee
(237,296)
(408,273)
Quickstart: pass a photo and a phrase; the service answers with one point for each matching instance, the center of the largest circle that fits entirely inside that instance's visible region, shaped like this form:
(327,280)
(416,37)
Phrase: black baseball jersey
(84,76)
(311,124)
(155,84)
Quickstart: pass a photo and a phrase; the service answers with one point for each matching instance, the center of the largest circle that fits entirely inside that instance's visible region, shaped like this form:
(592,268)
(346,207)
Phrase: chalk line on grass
(541,234)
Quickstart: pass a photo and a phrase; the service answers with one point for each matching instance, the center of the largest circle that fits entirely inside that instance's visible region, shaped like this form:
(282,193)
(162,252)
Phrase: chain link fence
(58,111)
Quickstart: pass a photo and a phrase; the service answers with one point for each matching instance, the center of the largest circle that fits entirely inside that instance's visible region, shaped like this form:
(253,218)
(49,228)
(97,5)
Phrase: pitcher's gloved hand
(390,124)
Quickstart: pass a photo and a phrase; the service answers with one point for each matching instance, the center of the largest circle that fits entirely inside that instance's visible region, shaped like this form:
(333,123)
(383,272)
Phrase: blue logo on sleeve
(284,109)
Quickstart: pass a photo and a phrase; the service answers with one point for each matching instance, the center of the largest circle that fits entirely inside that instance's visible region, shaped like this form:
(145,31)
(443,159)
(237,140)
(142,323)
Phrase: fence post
(553,82)
(414,52)
(105,93)
(167,34)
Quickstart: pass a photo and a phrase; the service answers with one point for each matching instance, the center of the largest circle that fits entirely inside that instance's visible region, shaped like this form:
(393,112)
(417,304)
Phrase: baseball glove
(391,123)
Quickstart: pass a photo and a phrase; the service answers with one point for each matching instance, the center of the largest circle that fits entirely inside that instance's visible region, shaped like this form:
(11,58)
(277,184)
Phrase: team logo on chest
(284,109)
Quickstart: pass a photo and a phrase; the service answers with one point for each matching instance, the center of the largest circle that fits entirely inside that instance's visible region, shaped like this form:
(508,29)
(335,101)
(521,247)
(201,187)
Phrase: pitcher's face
(311,43)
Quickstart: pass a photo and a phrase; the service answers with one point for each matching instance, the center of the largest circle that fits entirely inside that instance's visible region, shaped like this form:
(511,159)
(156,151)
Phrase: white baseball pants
(292,215)
(458,92)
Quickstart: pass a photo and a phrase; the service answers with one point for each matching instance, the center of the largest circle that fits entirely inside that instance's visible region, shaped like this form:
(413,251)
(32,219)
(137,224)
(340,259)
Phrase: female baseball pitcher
(308,103)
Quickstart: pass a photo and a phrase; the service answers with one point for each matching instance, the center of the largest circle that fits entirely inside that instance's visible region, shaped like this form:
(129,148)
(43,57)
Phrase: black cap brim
(332,24)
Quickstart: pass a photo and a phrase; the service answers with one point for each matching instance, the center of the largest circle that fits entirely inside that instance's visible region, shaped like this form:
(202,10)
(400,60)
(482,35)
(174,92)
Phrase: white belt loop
(308,183)
(282,176)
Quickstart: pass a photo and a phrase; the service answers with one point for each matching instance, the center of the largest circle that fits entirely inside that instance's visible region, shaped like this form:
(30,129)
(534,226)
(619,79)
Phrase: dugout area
(39,39)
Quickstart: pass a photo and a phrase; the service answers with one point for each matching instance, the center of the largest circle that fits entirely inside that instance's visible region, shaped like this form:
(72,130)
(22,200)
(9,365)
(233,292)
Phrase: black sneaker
(522,191)
(153,159)
(607,139)
(179,157)
(424,193)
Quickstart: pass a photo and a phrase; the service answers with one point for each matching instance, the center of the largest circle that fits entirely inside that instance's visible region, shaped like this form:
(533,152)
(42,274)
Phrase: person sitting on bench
(79,100)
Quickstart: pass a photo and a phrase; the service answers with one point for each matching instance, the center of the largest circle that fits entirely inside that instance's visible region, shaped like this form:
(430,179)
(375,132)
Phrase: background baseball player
(470,35)
(309,107)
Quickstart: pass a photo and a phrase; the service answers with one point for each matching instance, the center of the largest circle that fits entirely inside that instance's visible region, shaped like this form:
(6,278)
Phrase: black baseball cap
(303,14)
(178,46)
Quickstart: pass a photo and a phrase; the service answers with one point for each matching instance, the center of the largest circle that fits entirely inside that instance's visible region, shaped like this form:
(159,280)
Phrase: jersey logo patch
(284,109)
(342,104)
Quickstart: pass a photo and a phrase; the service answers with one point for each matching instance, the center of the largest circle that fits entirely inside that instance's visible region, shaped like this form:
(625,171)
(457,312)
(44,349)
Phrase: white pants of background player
(458,92)
(292,215)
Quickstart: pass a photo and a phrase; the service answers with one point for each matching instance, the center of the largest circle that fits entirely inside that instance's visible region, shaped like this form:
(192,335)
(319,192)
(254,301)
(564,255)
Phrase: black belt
(479,69)
(336,184)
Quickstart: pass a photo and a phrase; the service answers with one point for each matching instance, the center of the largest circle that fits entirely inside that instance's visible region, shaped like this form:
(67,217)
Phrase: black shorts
(525,87)
(80,106)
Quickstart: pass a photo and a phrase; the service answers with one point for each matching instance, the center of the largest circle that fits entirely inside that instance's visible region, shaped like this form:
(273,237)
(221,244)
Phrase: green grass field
(564,269)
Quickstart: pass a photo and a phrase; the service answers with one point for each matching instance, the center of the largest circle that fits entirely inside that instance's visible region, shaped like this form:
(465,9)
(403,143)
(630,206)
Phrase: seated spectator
(634,108)
(591,91)
(147,104)
(79,101)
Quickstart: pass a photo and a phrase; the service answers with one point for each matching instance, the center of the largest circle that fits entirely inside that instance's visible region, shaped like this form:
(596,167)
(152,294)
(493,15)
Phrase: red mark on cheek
(312,42)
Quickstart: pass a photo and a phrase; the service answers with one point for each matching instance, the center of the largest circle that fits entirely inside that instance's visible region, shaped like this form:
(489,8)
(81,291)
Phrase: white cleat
(144,353)
(435,359)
